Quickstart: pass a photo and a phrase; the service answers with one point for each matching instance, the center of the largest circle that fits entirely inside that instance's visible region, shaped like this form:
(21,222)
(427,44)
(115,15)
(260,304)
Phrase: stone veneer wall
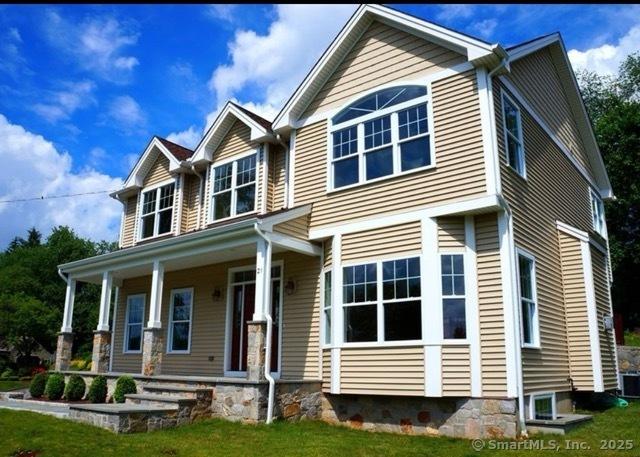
(456,417)
(628,359)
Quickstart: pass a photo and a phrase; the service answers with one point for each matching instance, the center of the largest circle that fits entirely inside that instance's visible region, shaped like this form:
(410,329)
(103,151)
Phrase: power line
(49,197)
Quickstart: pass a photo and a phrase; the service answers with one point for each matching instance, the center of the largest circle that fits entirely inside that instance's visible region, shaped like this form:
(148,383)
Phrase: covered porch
(197,307)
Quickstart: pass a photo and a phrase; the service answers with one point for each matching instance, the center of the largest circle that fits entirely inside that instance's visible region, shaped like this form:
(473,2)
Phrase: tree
(25,321)
(613,103)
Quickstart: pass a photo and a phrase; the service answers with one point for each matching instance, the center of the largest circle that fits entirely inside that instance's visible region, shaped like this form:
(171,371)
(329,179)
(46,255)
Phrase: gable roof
(260,130)
(476,51)
(576,103)
(179,152)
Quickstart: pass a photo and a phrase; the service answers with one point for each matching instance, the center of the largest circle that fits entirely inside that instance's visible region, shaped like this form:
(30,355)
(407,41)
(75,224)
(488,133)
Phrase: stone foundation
(101,351)
(295,400)
(455,417)
(240,402)
(63,351)
(628,359)
(152,349)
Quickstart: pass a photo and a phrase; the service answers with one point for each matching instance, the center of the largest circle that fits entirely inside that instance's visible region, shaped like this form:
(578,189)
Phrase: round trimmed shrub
(98,390)
(38,384)
(124,385)
(75,388)
(55,386)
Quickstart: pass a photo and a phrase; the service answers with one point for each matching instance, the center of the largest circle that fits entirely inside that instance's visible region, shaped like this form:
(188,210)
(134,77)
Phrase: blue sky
(83,88)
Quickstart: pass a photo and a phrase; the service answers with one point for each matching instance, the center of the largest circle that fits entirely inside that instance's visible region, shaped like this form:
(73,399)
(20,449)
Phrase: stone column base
(257,334)
(101,351)
(63,351)
(152,348)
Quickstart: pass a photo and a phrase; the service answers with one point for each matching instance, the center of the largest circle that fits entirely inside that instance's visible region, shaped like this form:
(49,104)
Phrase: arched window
(380,135)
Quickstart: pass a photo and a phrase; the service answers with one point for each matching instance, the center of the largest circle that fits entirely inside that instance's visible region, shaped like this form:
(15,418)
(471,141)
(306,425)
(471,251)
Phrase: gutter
(267,344)
(62,275)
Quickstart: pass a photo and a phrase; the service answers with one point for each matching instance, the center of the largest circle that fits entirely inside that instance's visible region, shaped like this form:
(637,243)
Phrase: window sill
(230,218)
(454,342)
(377,180)
(531,346)
(515,173)
(188,352)
(155,238)
(132,352)
(376,344)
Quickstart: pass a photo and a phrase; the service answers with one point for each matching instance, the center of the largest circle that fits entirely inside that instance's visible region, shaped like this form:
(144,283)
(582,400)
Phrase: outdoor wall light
(217,294)
(290,286)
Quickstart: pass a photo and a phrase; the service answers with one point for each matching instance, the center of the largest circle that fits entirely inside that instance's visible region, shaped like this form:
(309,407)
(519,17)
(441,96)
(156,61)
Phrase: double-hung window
(453,296)
(327,305)
(597,214)
(157,211)
(382,301)
(514,145)
(134,318)
(528,301)
(234,188)
(383,134)
(180,316)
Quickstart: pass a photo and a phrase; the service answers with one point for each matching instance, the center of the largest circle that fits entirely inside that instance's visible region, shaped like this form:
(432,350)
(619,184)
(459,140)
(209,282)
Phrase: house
(416,243)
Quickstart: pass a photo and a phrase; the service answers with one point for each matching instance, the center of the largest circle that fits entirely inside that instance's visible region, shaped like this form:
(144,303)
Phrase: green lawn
(6,386)
(631,338)
(56,437)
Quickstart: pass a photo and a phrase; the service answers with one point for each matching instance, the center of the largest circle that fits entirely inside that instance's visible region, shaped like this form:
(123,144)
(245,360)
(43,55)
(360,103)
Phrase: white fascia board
(295,244)
(136,178)
(364,15)
(528,48)
(268,222)
(574,232)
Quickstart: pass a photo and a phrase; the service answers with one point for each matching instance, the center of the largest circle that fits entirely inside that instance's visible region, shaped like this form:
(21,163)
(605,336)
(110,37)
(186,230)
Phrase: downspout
(267,344)
(285,203)
(62,275)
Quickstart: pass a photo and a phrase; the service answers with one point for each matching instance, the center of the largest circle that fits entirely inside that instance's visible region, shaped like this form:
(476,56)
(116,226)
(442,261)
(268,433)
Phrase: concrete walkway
(53,409)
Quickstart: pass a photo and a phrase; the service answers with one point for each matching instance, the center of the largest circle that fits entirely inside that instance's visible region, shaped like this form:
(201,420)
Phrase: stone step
(180,391)
(130,418)
(159,400)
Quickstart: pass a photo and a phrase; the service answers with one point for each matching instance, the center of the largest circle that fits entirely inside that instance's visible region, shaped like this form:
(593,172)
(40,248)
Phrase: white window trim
(380,342)
(156,221)
(234,160)
(535,319)
(170,349)
(594,198)
(506,133)
(323,320)
(395,141)
(125,345)
(454,341)
(541,396)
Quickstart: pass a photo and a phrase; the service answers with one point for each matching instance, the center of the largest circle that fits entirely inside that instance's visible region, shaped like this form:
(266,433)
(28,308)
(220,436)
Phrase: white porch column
(263,280)
(155,300)
(105,302)
(67,317)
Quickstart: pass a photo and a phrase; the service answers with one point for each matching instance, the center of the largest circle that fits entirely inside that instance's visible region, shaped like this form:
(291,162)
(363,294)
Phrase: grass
(6,386)
(631,338)
(56,437)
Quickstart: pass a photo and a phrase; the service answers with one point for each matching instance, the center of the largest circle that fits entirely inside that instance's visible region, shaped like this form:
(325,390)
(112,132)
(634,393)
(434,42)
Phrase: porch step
(202,397)
(129,418)
(180,391)
(159,400)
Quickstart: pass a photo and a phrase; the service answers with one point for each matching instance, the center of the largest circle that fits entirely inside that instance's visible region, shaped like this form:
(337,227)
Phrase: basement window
(543,407)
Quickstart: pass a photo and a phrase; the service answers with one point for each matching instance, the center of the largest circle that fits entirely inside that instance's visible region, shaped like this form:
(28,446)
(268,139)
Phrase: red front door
(244,296)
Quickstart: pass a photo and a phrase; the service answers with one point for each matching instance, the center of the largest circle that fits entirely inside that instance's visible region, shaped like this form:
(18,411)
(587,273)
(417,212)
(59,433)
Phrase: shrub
(124,385)
(75,388)
(98,390)
(55,386)
(38,385)
(80,365)
(7,373)
(36,370)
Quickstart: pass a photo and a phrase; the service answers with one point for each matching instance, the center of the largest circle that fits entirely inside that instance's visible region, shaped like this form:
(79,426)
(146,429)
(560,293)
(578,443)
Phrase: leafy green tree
(613,103)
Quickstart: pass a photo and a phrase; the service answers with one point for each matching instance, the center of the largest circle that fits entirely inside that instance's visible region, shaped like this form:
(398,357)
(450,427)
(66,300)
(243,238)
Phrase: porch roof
(234,239)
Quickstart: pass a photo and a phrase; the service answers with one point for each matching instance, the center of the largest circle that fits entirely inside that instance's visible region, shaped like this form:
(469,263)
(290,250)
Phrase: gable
(158,172)
(383,54)
(236,141)
(537,79)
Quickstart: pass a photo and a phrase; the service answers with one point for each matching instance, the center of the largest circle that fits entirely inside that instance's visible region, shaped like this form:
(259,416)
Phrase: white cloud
(32,167)
(127,114)
(63,103)
(484,28)
(606,59)
(96,43)
(452,12)
(223,12)
(12,61)
(189,138)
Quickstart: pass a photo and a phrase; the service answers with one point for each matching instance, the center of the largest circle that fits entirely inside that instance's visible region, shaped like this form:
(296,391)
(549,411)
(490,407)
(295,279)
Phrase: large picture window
(382,301)
(383,134)
(180,316)
(514,145)
(453,296)
(157,211)
(234,188)
(528,303)
(134,319)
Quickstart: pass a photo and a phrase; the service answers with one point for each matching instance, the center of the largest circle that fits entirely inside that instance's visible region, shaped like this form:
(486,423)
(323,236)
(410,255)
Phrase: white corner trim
(431,308)
(472,306)
(265,178)
(336,312)
(177,212)
(572,231)
(335,370)
(433,371)
(113,331)
(125,205)
(489,140)
(291,172)
(592,316)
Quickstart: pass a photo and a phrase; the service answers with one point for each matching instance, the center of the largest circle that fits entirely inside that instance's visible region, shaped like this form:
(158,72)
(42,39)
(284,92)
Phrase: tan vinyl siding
(536,78)
(382,371)
(236,141)
(158,172)
(603,307)
(128,363)
(490,305)
(386,241)
(383,54)
(456,374)
(451,233)
(191,204)
(328,255)
(575,301)
(553,191)
(301,318)
(326,370)
(276,178)
(129,221)
(459,171)
(297,228)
